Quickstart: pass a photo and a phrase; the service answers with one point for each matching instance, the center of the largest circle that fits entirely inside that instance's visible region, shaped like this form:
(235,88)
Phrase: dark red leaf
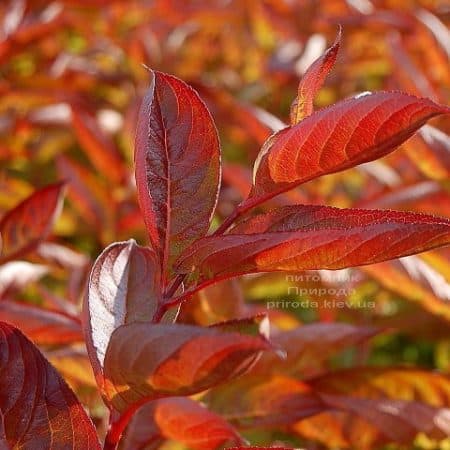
(38,408)
(146,361)
(341,136)
(177,158)
(314,237)
(26,225)
(312,81)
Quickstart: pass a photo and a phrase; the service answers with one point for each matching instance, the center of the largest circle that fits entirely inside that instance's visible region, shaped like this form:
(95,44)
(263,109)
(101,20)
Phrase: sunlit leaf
(180,419)
(146,361)
(314,237)
(312,81)
(17,274)
(341,136)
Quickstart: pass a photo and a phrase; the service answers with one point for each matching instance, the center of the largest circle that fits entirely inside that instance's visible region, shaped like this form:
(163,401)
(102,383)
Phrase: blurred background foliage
(72,74)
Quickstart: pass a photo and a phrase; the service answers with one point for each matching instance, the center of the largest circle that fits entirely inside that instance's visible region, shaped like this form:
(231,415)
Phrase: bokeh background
(72,75)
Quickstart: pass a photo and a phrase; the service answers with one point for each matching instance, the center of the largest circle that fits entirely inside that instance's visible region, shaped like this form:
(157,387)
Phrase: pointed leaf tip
(341,136)
(177,166)
(312,81)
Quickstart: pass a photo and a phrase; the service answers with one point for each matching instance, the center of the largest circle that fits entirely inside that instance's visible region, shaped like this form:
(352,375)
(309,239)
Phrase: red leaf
(98,146)
(312,81)
(38,408)
(26,225)
(181,419)
(177,160)
(314,237)
(123,288)
(341,136)
(146,361)
(41,326)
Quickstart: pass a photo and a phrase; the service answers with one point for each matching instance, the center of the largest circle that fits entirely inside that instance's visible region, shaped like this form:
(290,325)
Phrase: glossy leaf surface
(341,136)
(177,159)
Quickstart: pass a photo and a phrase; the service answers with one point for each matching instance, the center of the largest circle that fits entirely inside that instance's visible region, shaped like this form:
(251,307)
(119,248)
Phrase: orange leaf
(181,419)
(145,361)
